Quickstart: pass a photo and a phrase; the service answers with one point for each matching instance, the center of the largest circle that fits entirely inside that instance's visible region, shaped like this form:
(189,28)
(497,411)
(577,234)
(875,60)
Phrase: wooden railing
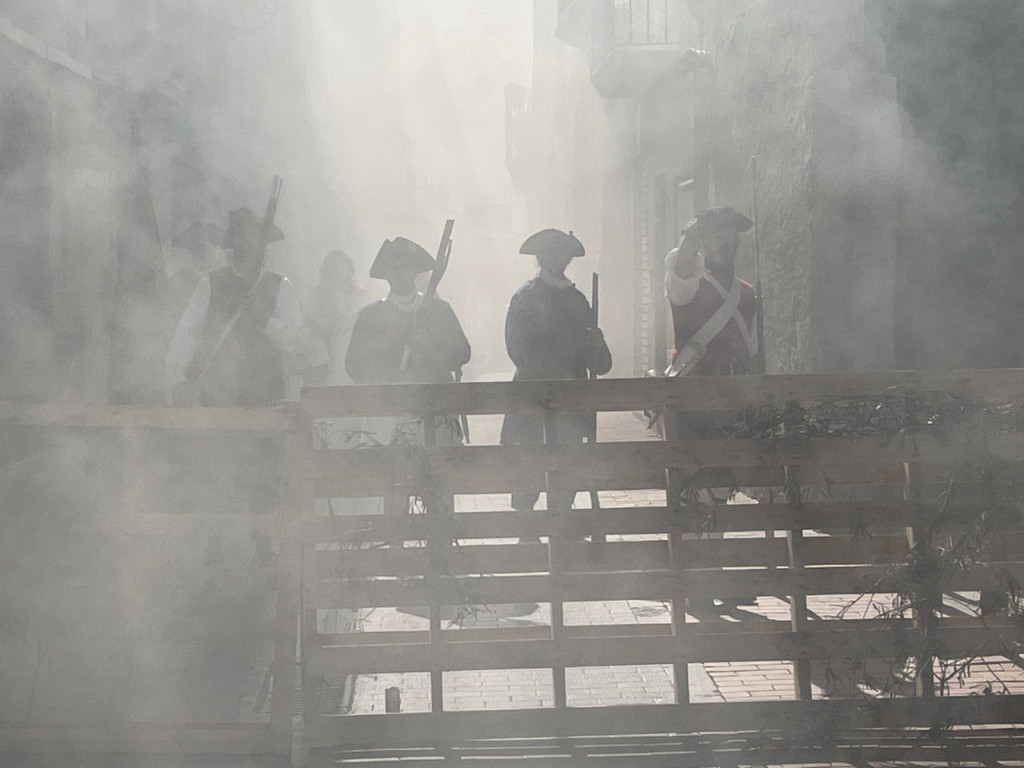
(880,498)
(149,582)
(151,575)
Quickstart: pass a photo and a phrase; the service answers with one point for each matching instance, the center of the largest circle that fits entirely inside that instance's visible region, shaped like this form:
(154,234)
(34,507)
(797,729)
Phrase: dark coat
(380,336)
(245,369)
(545,335)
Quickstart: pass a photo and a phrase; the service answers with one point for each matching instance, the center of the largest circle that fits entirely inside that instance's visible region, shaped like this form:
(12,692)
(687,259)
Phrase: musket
(268,217)
(444,252)
(758,295)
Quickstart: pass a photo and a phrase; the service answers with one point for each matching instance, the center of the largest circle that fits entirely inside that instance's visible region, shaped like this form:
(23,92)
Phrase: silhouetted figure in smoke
(550,334)
(405,338)
(714,314)
(231,341)
(331,318)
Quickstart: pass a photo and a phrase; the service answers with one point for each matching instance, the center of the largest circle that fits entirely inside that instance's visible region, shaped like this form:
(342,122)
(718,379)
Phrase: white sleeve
(186,336)
(285,327)
(680,290)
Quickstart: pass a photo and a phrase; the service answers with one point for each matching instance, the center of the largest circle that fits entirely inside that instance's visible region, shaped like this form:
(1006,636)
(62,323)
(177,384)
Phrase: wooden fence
(155,565)
(149,582)
(887,499)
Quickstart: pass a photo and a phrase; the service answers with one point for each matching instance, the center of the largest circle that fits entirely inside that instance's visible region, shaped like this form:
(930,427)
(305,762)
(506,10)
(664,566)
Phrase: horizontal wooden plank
(144,738)
(630,465)
(283,419)
(862,517)
(400,465)
(821,641)
(784,716)
(501,558)
(650,585)
(628,556)
(698,750)
(711,392)
(456,635)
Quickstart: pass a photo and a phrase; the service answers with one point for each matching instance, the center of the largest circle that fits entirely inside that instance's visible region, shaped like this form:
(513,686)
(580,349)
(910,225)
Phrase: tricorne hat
(243,219)
(552,242)
(724,217)
(400,253)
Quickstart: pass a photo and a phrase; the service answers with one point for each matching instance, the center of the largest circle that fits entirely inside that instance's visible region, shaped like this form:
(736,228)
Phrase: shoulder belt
(696,346)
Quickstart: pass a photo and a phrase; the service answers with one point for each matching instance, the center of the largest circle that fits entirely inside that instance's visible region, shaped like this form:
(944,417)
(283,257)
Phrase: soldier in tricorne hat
(550,333)
(405,338)
(714,316)
(700,278)
(239,324)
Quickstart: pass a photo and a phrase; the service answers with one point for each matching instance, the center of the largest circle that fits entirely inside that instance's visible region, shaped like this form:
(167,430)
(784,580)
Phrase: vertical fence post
(797,603)
(928,599)
(308,628)
(556,558)
(132,505)
(436,559)
(673,490)
(296,444)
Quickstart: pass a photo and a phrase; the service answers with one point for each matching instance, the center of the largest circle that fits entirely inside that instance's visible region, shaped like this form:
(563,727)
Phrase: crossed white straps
(749,333)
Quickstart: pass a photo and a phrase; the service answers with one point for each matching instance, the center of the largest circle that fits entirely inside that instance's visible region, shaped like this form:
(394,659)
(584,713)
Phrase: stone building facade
(678,97)
(958,66)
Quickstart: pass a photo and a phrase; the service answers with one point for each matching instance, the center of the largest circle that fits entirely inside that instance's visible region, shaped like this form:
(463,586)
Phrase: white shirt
(284,328)
(681,290)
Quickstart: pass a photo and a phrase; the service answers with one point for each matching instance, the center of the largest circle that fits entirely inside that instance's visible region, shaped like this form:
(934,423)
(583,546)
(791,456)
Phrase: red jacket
(728,352)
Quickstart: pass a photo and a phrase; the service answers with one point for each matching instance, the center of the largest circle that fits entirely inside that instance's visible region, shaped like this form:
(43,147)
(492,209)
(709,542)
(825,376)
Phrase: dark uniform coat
(545,335)
(382,332)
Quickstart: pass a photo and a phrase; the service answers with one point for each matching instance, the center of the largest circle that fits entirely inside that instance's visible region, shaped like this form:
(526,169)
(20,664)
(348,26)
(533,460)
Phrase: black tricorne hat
(244,218)
(552,242)
(724,217)
(400,253)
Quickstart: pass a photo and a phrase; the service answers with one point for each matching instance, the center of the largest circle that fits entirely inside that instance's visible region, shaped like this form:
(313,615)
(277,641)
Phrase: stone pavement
(605,686)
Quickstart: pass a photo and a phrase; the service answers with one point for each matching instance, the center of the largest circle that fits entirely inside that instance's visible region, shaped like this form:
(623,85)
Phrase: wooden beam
(652,585)
(760,717)
(121,417)
(860,517)
(711,392)
(615,646)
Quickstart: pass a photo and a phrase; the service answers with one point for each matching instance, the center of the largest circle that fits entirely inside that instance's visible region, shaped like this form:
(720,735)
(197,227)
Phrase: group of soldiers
(243,323)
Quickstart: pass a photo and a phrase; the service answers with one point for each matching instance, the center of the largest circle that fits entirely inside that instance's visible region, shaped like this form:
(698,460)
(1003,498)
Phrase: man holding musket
(551,333)
(230,345)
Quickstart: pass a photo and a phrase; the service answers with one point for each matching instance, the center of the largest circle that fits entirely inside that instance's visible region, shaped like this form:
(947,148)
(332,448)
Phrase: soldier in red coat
(714,313)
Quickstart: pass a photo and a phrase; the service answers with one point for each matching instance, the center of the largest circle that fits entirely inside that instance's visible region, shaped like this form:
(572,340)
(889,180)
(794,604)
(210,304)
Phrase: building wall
(960,275)
(800,86)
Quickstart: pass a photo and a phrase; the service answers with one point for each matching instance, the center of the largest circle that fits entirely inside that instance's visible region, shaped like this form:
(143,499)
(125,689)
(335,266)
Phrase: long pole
(595,502)
(758,295)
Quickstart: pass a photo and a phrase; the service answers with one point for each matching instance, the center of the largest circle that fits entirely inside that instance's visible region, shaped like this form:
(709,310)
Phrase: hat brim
(553,242)
(725,217)
(229,240)
(400,253)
